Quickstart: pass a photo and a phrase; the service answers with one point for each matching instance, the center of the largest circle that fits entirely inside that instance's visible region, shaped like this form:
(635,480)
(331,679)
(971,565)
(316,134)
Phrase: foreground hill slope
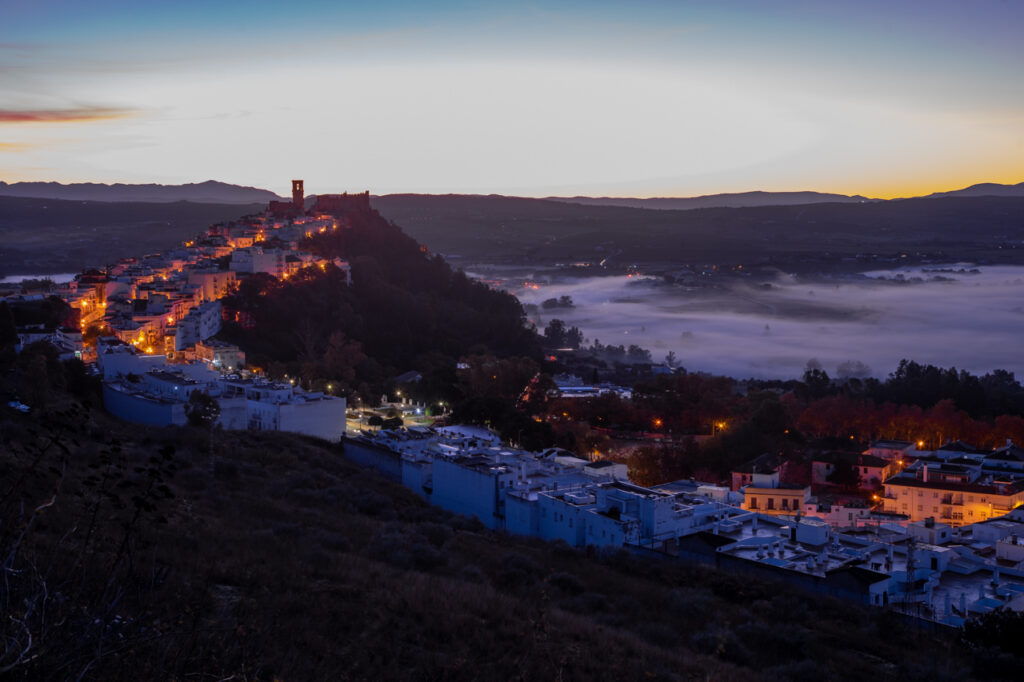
(175,553)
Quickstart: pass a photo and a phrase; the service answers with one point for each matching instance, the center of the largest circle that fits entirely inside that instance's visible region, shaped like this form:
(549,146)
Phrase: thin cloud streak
(13,147)
(76,115)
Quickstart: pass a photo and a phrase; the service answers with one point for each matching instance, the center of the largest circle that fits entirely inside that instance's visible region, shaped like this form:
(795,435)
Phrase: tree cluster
(787,418)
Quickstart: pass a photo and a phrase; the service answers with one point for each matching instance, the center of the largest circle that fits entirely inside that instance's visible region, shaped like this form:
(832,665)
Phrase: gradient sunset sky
(881,98)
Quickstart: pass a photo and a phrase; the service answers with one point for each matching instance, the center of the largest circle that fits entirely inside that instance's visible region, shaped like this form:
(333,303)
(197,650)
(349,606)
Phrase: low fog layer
(973,321)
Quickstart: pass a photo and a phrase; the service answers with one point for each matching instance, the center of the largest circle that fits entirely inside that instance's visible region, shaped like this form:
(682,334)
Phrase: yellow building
(782,498)
(954,494)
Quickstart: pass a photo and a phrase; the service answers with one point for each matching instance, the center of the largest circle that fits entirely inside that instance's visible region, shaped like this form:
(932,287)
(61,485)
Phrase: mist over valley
(853,325)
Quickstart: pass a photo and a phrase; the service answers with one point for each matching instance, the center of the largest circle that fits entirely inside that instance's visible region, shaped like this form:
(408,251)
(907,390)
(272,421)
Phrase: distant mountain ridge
(211,191)
(985,189)
(726,200)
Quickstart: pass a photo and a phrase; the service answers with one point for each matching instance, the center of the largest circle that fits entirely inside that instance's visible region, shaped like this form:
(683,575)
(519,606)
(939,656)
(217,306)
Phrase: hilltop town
(149,323)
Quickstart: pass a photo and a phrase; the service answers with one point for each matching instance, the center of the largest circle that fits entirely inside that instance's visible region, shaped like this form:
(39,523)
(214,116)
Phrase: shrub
(566,583)
(225,470)
(656,633)
(518,571)
(435,533)
(772,641)
(403,547)
(373,503)
(722,643)
(468,523)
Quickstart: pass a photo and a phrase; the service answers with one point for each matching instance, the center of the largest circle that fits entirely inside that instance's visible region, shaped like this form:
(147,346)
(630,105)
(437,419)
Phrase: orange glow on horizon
(904,188)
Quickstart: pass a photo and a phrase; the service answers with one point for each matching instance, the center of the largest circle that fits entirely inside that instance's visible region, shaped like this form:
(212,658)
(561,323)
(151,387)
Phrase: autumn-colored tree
(342,357)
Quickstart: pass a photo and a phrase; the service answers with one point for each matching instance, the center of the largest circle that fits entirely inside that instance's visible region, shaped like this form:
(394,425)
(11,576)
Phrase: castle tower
(298,194)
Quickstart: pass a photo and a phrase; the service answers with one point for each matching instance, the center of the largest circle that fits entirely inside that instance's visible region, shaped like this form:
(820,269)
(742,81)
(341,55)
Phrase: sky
(648,98)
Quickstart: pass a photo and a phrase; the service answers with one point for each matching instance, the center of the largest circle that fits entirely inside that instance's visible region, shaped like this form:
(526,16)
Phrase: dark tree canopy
(402,306)
(202,409)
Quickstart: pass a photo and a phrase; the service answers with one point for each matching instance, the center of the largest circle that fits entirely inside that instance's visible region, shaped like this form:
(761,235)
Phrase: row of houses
(164,303)
(144,389)
(926,568)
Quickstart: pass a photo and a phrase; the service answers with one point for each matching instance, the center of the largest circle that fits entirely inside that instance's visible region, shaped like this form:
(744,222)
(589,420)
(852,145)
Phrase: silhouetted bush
(806,670)
(517,571)
(372,503)
(656,633)
(566,583)
(472,573)
(771,641)
(225,470)
(436,534)
(336,542)
(693,604)
(586,603)
(403,547)
(722,643)
(467,523)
